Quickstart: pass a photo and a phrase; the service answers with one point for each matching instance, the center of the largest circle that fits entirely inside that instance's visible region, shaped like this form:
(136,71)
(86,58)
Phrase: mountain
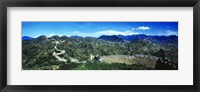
(75,36)
(165,39)
(113,38)
(55,37)
(132,37)
(154,39)
(26,38)
(39,53)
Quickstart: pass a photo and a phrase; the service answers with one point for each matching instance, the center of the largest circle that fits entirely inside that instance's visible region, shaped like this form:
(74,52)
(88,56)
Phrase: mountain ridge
(26,38)
(120,38)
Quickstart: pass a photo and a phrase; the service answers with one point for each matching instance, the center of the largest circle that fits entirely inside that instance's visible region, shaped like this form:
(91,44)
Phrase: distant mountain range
(154,39)
(129,38)
(113,38)
(26,38)
(75,36)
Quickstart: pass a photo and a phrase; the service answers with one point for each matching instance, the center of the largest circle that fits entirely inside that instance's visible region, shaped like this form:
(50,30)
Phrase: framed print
(130,45)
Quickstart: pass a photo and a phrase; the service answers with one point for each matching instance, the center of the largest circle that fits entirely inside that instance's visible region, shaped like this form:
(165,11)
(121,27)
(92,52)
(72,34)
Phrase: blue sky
(96,29)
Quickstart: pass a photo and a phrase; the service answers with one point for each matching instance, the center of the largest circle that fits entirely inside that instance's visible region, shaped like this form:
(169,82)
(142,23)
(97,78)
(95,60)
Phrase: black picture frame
(98,3)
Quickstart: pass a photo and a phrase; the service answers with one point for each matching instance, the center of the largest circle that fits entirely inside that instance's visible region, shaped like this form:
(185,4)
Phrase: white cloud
(52,34)
(169,32)
(143,28)
(105,32)
(114,32)
(80,34)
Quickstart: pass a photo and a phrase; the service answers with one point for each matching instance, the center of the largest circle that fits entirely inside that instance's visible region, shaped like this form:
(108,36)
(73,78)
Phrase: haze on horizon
(96,29)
